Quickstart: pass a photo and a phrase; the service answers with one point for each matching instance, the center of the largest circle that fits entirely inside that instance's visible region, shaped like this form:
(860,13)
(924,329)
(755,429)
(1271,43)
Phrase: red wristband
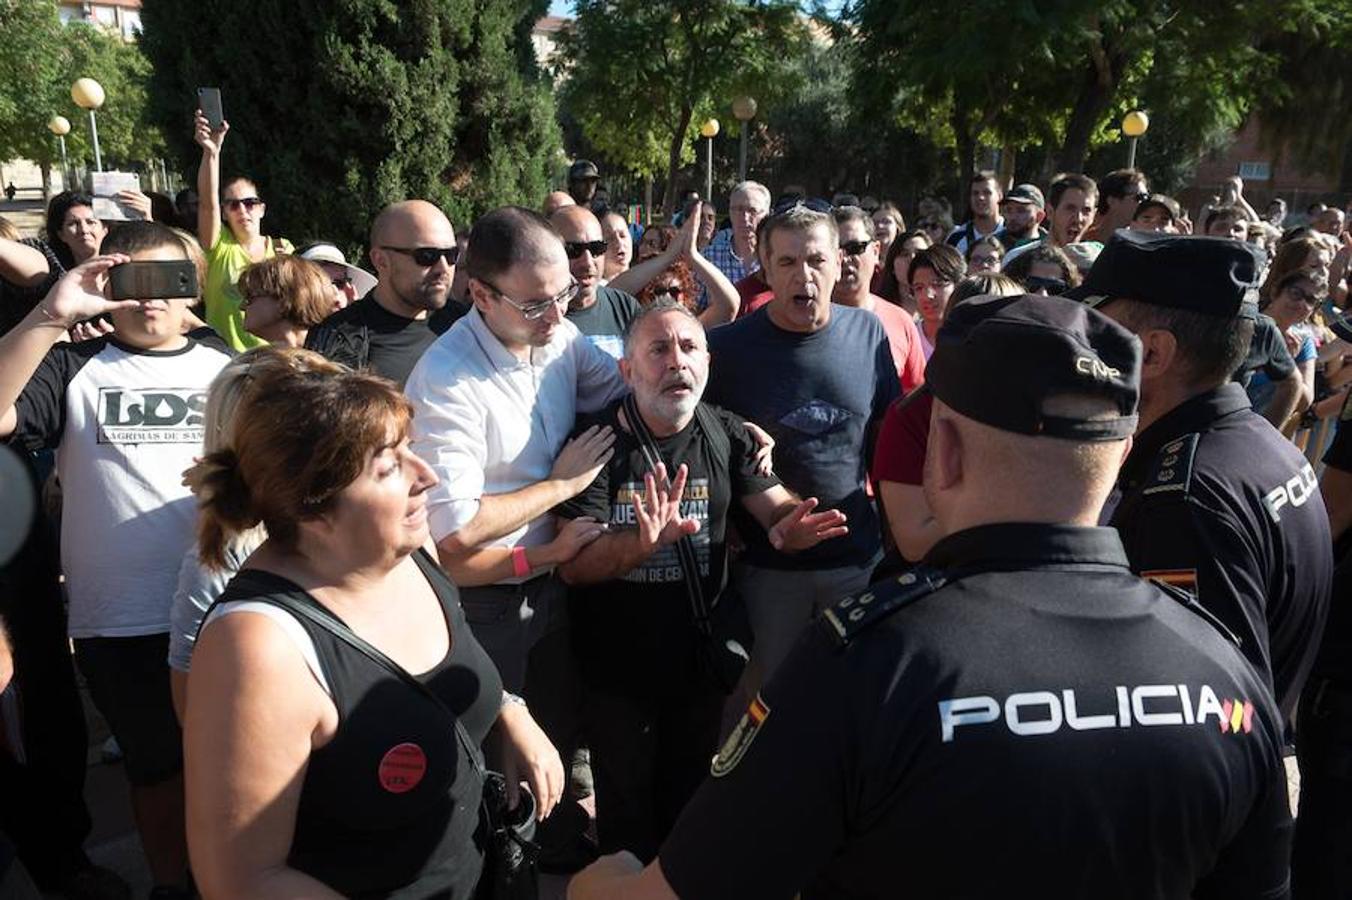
(520,565)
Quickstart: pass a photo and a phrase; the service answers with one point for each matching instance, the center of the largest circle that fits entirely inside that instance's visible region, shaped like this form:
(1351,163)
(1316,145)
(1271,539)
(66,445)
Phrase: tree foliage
(339,107)
(40,58)
(819,137)
(1056,75)
(639,74)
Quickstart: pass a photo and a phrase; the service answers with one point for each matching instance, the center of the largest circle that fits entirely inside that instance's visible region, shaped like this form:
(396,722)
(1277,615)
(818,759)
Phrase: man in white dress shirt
(495,398)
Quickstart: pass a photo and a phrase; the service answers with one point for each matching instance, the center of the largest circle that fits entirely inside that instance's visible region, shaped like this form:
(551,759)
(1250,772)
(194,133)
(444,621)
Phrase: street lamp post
(743,110)
(707,131)
(88,94)
(60,126)
(1134,124)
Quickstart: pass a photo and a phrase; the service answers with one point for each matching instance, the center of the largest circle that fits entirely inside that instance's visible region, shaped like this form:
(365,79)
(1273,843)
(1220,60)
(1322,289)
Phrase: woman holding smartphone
(232,249)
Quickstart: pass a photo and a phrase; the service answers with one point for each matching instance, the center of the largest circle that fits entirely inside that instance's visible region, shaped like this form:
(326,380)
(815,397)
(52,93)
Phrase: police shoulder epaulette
(1171,472)
(848,618)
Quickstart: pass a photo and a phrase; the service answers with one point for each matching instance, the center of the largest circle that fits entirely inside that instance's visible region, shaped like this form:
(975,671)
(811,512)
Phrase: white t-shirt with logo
(125,423)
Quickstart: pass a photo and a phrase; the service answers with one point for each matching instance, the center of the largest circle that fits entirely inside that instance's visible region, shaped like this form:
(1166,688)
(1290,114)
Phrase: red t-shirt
(754,292)
(903,338)
(902,438)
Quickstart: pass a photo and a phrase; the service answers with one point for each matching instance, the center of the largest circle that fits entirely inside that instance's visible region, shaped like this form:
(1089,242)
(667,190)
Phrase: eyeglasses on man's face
(534,309)
(249,203)
(574,248)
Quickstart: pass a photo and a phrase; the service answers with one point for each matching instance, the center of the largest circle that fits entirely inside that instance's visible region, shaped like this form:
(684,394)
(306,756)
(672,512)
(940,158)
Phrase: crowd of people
(941,542)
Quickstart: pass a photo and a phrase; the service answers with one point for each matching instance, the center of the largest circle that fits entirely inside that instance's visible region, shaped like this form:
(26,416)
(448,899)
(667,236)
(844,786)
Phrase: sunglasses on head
(574,248)
(672,290)
(428,256)
(820,206)
(246,202)
(1054,287)
(854,248)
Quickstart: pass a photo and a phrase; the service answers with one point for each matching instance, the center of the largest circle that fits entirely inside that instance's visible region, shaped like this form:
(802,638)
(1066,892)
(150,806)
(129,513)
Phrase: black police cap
(998,360)
(1211,275)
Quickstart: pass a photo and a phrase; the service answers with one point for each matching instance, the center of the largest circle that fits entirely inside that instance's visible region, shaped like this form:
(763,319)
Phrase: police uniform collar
(1023,545)
(1189,416)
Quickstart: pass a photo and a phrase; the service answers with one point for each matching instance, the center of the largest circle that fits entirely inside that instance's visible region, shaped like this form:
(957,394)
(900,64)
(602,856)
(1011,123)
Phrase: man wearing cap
(1070,201)
(349,281)
(917,723)
(583,179)
(414,251)
(1214,500)
(1156,213)
(1024,210)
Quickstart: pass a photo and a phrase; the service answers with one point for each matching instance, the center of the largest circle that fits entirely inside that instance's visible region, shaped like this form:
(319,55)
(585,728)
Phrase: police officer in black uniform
(1214,499)
(1021,716)
(1321,860)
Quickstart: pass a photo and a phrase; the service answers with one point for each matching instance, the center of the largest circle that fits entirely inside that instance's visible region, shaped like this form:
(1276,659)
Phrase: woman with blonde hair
(198,584)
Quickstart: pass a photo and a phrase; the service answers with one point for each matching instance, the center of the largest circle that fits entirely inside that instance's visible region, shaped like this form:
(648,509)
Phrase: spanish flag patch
(735,747)
(1179,578)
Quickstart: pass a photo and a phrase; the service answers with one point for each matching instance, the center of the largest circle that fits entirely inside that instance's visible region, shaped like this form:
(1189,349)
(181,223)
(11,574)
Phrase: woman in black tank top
(313,769)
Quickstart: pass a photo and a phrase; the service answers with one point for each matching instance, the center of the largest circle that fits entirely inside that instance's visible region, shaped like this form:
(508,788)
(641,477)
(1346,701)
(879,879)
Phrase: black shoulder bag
(510,852)
(724,637)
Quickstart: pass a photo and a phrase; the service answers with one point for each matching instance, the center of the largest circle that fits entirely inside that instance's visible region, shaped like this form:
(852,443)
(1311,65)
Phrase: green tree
(1058,73)
(339,108)
(30,72)
(639,74)
(40,59)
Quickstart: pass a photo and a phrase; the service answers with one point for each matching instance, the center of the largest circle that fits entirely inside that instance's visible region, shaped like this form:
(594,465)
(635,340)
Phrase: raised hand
(659,510)
(79,294)
(137,201)
(582,458)
(210,141)
(688,237)
(803,528)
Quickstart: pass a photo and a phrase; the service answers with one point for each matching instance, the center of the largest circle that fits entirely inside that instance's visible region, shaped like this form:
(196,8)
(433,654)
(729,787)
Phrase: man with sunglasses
(599,311)
(414,253)
(1120,192)
(858,260)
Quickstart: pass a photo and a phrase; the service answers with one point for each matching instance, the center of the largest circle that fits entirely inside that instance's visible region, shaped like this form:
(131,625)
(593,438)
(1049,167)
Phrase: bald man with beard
(414,252)
(600,312)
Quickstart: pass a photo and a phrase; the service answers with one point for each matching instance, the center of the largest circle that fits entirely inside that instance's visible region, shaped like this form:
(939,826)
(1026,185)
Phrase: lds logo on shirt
(151,416)
(1045,712)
